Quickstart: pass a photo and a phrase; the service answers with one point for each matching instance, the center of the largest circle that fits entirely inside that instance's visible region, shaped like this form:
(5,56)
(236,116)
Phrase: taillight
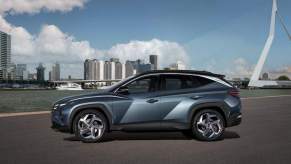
(234,92)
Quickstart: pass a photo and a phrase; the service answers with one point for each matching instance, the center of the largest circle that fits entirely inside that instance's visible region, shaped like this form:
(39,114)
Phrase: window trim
(138,78)
(216,79)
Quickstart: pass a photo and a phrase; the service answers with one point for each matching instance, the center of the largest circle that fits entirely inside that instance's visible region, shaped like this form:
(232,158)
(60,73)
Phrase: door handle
(196,97)
(152,101)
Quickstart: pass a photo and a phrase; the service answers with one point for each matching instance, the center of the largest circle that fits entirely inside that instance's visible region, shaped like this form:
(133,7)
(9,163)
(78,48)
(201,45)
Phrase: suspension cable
(284,26)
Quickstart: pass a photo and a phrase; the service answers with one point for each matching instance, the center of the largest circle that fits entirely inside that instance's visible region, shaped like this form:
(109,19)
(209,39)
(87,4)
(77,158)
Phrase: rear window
(203,80)
(226,81)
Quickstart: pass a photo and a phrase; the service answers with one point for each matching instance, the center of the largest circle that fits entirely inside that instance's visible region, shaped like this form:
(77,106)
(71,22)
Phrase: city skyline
(113,69)
(188,31)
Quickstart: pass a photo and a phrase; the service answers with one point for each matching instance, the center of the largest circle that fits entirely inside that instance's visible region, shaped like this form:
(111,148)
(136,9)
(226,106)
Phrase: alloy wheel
(91,126)
(209,125)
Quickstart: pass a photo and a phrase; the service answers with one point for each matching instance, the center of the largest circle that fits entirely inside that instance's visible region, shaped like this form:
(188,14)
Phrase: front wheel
(208,125)
(90,126)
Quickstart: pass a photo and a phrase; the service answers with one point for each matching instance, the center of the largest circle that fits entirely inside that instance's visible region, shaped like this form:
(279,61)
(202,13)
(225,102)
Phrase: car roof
(206,73)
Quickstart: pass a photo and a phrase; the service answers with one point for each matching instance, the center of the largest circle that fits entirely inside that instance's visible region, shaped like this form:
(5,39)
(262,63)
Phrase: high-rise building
(145,67)
(107,73)
(55,73)
(11,72)
(5,54)
(139,66)
(32,76)
(99,70)
(40,72)
(154,61)
(91,70)
(118,70)
(114,60)
(179,65)
(20,71)
(86,69)
(25,75)
(129,69)
(50,76)
(123,70)
(112,70)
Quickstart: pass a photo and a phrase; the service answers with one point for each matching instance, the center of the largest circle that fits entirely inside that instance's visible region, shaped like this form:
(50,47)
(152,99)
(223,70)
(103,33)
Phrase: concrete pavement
(263,137)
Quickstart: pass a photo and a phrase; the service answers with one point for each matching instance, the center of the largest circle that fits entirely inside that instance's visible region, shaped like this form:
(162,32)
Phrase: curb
(22,114)
(264,97)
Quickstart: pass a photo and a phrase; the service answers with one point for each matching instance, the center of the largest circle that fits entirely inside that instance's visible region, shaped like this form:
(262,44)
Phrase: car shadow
(122,136)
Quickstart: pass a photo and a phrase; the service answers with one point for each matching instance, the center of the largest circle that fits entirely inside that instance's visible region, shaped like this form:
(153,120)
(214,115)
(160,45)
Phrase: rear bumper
(234,119)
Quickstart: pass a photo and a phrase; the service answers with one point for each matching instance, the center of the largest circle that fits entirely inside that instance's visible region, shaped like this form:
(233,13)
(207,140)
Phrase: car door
(139,110)
(177,94)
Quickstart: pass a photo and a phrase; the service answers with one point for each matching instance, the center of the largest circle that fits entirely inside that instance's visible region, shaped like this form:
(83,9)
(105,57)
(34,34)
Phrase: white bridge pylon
(255,81)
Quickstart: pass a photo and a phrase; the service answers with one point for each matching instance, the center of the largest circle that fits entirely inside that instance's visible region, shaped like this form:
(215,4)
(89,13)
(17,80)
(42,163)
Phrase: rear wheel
(90,126)
(208,125)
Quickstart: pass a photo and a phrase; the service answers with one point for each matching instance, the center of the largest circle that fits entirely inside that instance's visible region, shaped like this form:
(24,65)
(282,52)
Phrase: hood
(72,98)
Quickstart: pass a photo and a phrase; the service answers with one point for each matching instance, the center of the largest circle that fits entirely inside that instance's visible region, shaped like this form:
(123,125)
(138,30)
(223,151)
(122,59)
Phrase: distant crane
(254,81)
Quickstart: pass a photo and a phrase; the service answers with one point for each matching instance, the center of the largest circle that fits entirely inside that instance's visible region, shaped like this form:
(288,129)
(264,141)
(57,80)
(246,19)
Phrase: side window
(203,81)
(175,82)
(143,85)
(189,82)
(172,83)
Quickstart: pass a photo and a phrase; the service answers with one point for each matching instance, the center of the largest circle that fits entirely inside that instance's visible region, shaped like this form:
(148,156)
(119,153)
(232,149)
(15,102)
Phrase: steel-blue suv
(200,104)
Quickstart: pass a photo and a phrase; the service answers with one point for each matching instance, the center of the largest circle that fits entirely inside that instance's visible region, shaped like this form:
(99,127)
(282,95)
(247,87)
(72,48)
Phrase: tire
(90,126)
(208,125)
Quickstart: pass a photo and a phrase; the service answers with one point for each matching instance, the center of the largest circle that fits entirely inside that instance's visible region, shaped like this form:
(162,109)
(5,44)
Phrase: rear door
(178,92)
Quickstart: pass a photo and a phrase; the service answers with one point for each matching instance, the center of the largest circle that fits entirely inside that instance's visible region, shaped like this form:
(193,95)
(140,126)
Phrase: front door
(139,111)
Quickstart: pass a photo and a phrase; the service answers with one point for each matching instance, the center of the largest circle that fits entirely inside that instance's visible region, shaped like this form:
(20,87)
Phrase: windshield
(112,87)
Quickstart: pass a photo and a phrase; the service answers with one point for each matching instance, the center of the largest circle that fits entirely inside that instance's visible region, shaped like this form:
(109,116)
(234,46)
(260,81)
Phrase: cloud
(168,52)
(51,44)
(285,69)
(36,6)
(22,40)
(55,45)
(240,68)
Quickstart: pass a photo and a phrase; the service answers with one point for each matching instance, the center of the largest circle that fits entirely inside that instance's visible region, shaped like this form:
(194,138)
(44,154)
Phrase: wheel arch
(98,107)
(213,106)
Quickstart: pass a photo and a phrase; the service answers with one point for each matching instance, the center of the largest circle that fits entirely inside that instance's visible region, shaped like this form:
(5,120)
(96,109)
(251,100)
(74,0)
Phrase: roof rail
(185,71)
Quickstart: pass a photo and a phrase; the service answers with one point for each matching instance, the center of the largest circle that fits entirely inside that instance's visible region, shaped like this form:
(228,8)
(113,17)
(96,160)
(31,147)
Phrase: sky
(223,36)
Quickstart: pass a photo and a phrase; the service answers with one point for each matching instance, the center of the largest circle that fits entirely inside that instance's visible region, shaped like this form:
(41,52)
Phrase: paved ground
(263,137)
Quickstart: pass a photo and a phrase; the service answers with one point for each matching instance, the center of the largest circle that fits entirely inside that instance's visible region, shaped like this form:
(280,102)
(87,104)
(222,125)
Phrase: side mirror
(123,90)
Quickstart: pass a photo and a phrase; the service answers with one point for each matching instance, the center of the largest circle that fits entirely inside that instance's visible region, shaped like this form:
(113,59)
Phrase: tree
(283,78)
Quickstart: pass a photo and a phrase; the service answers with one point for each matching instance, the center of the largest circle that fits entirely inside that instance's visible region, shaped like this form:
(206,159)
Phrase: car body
(194,102)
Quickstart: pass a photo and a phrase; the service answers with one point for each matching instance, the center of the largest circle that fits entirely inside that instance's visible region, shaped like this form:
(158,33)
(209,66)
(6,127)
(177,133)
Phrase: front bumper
(58,123)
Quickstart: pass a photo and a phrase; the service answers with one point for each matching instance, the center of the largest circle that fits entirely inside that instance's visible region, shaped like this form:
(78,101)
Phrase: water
(42,100)
(32,100)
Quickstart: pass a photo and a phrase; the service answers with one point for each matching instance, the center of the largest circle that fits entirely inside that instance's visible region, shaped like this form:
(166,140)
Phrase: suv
(200,104)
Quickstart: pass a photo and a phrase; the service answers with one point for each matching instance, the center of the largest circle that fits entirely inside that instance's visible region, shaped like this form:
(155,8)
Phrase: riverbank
(12,101)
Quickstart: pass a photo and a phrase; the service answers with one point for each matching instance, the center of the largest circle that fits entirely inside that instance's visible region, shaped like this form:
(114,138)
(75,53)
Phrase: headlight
(56,106)
(60,105)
